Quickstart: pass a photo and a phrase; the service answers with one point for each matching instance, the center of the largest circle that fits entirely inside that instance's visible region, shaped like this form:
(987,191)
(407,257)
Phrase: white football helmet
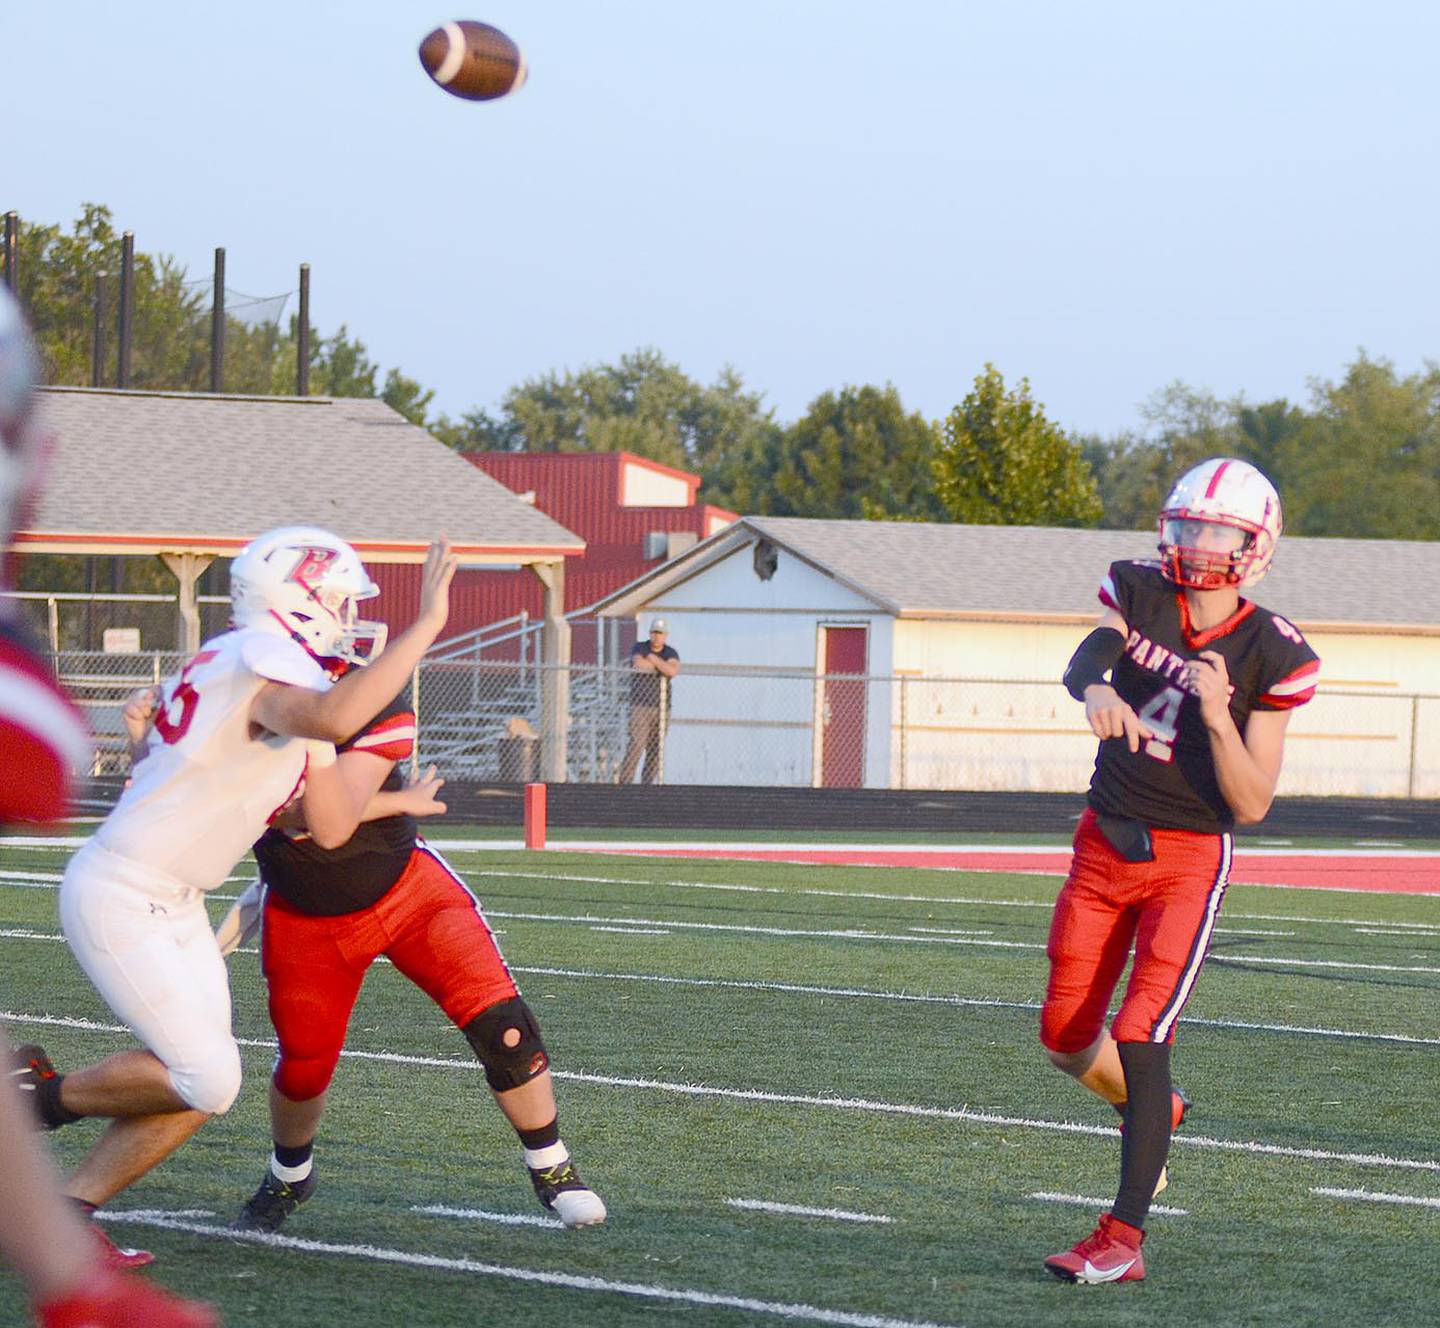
(305,582)
(22,445)
(1219,526)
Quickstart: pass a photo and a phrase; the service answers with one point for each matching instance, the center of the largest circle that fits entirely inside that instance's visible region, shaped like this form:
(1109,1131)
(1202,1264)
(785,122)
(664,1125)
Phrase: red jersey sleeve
(1291,668)
(44,742)
(390,735)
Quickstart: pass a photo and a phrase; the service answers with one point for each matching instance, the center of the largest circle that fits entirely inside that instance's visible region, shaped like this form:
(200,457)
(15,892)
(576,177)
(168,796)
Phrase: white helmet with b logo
(305,582)
(1219,526)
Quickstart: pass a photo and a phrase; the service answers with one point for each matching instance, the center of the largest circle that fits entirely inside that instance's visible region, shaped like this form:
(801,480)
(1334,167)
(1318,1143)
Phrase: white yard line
(863,1105)
(799,1210)
(793,1311)
(1083,1201)
(864,993)
(951,931)
(1412,1200)
(1320,963)
(635,931)
(480,1215)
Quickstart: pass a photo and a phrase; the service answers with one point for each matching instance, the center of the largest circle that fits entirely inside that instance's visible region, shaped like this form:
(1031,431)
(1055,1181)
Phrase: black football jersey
(1171,780)
(328,882)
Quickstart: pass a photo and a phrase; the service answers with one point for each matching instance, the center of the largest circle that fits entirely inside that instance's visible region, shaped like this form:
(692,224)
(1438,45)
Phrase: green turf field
(835,1038)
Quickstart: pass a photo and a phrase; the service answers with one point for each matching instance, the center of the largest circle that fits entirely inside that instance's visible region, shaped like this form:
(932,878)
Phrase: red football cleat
(116,1257)
(113,1300)
(1110,1253)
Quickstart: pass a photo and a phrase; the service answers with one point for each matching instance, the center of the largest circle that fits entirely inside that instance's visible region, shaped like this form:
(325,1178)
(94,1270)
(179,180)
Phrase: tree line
(1360,458)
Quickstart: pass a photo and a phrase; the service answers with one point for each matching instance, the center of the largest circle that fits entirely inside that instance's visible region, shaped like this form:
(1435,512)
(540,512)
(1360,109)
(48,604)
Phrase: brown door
(842,759)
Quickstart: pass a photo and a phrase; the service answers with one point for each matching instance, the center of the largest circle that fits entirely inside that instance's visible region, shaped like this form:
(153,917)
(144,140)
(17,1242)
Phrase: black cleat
(562,1192)
(35,1075)
(273,1202)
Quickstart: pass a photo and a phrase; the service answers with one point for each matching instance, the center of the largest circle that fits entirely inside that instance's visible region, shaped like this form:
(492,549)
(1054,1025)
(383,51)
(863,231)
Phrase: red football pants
(1167,908)
(428,925)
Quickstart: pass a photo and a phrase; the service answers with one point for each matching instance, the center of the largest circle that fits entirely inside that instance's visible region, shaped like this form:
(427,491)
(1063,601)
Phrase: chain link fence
(119,623)
(742,726)
(520,720)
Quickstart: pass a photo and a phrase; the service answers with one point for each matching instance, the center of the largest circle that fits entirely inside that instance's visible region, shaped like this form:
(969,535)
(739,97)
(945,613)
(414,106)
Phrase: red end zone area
(1410,872)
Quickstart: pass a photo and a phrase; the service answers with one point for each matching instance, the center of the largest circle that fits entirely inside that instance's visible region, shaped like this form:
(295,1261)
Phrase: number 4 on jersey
(1161,716)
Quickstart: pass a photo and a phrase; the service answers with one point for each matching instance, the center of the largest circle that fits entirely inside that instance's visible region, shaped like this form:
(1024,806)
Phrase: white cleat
(562,1192)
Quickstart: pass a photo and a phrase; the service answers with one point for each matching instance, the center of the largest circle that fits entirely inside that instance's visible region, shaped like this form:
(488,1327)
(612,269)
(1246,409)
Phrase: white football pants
(145,942)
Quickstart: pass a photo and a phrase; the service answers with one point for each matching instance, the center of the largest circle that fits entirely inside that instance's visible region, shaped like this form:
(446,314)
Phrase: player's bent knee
(300,1080)
(210,1084)
(507,1040)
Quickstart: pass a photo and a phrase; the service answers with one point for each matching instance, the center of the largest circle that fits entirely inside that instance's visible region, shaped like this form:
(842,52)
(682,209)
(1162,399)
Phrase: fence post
(415,709)
(904,731)
(1414,742)
(52,608)
(664,734)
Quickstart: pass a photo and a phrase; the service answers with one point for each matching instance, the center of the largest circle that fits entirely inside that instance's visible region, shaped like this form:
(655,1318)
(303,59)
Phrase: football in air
(473,60)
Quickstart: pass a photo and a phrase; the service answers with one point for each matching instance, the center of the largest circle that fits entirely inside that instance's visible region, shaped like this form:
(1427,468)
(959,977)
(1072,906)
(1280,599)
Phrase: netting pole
(12,250)
(99,350)
(127,308)
(302,336)
(217,325)
(534,816)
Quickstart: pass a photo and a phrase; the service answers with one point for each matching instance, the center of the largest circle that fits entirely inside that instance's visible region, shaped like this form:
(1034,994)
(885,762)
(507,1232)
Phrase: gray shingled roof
(923,569)
(166,465)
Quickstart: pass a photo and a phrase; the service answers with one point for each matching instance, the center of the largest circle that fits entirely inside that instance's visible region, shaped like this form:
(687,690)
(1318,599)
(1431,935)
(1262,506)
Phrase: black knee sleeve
(507,1040)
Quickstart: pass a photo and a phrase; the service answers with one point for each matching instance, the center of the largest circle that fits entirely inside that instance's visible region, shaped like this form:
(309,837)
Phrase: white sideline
(960,901)
(574,1281)
(809,1100)
(862,934)
(861,993)
(964,901)
(1083,1201)
(480,1215)
(1412,1199)
(661,848)
(799,1210)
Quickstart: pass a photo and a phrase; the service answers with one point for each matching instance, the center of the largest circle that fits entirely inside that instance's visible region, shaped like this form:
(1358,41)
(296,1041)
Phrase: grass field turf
(895,1100)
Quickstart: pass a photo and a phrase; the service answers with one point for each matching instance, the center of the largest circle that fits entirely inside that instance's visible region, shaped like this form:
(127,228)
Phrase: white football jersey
(206,789)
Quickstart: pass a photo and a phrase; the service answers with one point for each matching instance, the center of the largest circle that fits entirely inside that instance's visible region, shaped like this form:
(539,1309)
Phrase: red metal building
(632,513)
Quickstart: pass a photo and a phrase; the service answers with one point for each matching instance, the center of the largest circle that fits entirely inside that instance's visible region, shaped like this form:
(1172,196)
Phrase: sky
(1102,198)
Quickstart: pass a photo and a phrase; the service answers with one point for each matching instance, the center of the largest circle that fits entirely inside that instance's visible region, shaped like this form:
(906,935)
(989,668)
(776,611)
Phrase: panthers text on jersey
(1171,780)
(206,788)
(332,882)
(43,739)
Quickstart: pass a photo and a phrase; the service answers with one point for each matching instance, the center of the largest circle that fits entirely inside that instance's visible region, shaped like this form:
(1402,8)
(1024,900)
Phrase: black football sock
(544,1137)
(543,1147)
(53,1112)
(1145,1143)
(297,1156)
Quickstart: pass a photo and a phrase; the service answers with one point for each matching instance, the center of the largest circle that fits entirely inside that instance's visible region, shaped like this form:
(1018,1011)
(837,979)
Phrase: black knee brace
(507,1040)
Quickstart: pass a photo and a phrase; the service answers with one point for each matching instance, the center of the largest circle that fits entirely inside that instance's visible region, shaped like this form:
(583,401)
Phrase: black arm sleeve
(1092,660)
